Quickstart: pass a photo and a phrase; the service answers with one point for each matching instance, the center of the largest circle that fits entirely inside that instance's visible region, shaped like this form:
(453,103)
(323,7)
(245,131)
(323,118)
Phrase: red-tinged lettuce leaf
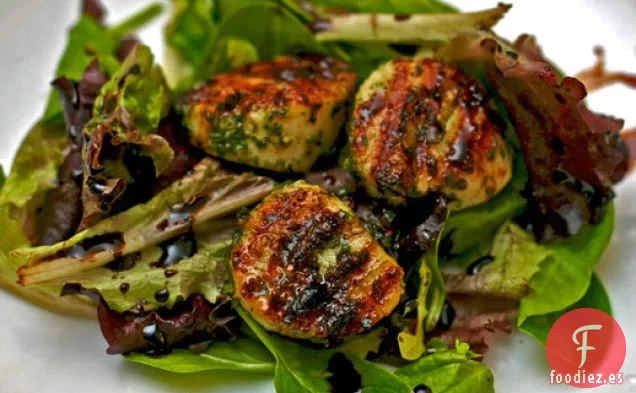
(573,155)
(191,322)
(62,210)
(33,175)
(122,155)
(629,137)
(78,98)
(471,318)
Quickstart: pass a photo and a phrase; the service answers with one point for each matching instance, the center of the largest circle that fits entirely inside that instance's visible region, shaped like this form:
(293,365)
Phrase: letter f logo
(584,347)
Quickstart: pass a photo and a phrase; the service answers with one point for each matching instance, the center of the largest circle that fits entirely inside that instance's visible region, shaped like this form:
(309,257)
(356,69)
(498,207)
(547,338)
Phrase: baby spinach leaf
(244,354)
(449,371)
(213,37)
(538,326)
(190,37)
(272,30)
(191,29)
(305,370)
(297,369)
(377,379)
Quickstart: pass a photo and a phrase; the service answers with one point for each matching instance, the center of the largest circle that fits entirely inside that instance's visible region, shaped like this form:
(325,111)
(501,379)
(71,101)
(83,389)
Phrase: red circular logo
(586,348)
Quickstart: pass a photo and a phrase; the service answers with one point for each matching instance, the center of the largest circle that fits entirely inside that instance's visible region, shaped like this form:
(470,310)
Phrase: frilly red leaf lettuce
(191,322)
(476,317)
(63,206)
(573,155)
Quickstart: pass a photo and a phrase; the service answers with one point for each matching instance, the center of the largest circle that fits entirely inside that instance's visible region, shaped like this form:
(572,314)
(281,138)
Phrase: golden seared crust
(420,125)
(279,115)
(305,267)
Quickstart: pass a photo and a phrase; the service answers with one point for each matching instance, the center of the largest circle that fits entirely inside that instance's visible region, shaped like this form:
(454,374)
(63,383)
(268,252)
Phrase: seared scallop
(419,126)
(279,115)
(305,267)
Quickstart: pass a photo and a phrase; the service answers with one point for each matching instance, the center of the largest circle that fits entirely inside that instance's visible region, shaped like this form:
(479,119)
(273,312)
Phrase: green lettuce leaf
(517,258)
(34,169)
(139,88)
(204,273)
(565,276)
(449,371)
(538,326)
(89,39)
(215,193)
(304,370)
(245,354)
(430,302)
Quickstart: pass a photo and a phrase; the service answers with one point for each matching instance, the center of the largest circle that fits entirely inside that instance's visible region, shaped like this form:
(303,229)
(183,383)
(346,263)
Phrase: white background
(43,352)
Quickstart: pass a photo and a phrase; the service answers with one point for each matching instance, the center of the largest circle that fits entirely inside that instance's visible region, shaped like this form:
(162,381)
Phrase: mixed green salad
(312,190)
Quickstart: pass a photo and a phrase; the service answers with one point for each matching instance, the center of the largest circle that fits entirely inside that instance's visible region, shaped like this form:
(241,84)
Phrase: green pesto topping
(228,134)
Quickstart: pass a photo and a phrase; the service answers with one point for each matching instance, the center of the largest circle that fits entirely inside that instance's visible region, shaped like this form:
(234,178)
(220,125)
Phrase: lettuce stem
(137,20)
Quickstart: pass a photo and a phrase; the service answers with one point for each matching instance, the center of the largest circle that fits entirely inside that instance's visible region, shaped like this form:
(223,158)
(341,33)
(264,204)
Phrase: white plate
(43,352)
